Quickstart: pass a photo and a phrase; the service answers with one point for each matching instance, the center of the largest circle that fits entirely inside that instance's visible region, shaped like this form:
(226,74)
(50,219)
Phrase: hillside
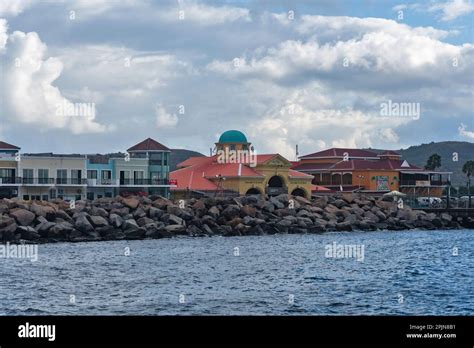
(180,155)
(418,155)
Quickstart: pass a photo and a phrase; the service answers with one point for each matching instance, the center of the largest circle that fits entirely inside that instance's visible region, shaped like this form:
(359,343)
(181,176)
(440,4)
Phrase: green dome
(233,136)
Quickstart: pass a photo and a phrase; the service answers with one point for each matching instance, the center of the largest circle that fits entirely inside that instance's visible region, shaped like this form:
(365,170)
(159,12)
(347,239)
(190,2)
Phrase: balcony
(103,182)
(9,181)
(143,182)
(424,183)
(70,182)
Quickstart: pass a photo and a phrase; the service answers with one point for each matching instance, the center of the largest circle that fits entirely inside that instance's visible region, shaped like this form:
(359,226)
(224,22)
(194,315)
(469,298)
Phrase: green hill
(180,155)
(418,155)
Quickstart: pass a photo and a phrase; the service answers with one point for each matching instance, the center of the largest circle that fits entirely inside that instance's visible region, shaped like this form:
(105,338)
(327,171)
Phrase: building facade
(143,170)
(342,169)
(226,173)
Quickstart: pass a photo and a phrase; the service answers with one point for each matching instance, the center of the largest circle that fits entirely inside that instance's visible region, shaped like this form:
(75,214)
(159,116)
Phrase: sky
(98,76)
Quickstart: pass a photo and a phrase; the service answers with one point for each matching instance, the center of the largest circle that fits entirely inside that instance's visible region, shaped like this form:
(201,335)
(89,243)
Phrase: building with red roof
(221,173)
(343,169)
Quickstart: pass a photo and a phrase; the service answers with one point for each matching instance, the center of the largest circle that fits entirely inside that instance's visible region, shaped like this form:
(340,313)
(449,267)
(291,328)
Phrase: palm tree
(468,169)
(434,161)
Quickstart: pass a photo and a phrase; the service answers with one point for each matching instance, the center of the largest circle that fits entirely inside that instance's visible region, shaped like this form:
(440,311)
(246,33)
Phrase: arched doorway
(275,181)
(276,186)
(299,192)
(253,191)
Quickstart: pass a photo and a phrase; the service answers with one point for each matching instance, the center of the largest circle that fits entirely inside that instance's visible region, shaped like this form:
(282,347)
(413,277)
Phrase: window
(124,177)
(78,197)
(7,175)
(138,177)
(156,158)
(43,176)
(26,197)
(90,196)
(45,197)
(106,175)
(61,176)
(76,176)
(52,193)
(92,174)
(232,147)
(108,194)
(27,176)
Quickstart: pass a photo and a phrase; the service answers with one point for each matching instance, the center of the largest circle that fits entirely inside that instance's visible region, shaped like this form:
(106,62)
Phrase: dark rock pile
(157,217)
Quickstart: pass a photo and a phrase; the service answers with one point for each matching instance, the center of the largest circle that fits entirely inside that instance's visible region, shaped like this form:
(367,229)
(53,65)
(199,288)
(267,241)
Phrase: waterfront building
(45,176)
(143,170)
(342,169)
(8,170)
(236,169)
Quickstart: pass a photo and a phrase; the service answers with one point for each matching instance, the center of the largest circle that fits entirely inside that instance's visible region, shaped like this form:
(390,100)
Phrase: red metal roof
(389,153)
(339,152)
(296,174)
(7,146)
(312,166)
(382,164)
(148,145)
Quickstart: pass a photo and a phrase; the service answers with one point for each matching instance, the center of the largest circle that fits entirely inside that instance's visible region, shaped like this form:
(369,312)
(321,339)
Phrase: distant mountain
(418,155)
(180,155)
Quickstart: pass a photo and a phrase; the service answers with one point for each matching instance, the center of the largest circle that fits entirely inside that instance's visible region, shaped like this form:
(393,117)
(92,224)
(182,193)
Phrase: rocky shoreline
(156,217)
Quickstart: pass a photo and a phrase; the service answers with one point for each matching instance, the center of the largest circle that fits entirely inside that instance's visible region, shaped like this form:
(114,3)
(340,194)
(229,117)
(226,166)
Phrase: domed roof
(233,136)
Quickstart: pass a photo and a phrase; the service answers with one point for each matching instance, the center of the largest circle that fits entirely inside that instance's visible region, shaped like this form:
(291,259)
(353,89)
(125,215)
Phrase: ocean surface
(399,273)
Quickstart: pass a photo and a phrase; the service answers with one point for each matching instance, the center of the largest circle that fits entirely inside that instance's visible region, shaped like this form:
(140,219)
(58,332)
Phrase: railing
(71,181)
(431,183)
(80,182)
(9,180)
(37,181)
(143,182)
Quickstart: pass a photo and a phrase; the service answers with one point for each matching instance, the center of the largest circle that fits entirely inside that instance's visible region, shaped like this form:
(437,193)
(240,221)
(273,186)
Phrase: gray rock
(22,216)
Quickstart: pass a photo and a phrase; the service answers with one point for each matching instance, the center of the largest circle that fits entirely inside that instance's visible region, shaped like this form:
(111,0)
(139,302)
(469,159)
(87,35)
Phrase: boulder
(116,220)
(98,221)
(131,202)
(22,216)
(83,224)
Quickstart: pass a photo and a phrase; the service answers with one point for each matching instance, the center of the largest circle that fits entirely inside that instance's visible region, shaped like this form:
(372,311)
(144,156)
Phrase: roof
(381,164)
(339,152)
(315,188)
(148,144)
(312,166)
(296,174)
(57,155)
(389,153)
(7,146)
(233,136)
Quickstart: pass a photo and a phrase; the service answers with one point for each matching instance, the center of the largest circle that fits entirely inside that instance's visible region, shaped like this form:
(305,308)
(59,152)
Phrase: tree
(434,161)
(468,169)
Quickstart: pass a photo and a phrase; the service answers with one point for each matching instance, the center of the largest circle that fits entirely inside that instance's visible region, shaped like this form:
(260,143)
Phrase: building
(9,182)
(236,169)
(46,176)
(342,169)
(143,170)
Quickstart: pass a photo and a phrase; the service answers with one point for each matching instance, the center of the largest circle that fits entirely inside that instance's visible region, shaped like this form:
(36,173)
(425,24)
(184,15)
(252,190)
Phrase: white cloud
(208,15)
(453,9)
(464,132)
(379,52)
(13,7)
(165,119)
(389,135)
(29,94)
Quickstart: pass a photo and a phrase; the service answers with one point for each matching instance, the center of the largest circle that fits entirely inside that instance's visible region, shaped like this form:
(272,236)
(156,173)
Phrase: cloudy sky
(312,73)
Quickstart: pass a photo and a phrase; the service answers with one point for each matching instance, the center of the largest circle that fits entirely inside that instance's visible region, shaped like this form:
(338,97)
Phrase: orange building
(342,169)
